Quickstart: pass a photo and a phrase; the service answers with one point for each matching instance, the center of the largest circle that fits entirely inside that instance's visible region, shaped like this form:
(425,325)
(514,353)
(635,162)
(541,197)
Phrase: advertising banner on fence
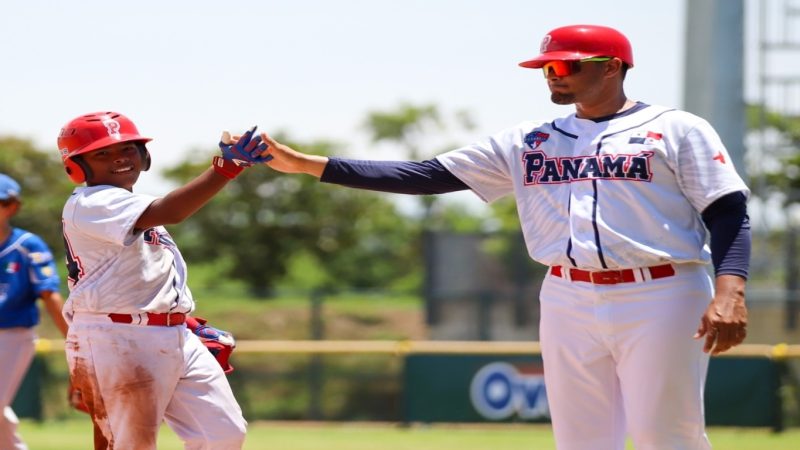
(474,388)
(497,388)
(501,391)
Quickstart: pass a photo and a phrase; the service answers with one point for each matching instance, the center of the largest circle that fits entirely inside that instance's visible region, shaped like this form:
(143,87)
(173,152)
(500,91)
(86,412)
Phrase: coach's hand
(724,324)
(244,150)
(239,152)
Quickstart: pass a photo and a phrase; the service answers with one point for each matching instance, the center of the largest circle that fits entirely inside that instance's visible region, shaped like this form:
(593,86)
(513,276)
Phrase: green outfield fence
(435,381)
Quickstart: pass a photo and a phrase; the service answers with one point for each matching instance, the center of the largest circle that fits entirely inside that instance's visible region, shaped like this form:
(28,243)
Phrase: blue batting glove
(246,151)
(211,334)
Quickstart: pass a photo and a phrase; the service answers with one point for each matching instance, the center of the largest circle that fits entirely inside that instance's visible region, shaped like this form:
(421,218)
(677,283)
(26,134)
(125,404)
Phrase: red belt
(615,276)
(155,319)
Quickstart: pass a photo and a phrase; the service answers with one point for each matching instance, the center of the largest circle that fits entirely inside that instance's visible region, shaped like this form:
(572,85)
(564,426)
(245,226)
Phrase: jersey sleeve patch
(38,258)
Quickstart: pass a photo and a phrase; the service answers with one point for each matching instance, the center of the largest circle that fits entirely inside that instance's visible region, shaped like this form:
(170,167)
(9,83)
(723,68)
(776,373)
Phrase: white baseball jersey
(626,192)
(112,268)
(115,269)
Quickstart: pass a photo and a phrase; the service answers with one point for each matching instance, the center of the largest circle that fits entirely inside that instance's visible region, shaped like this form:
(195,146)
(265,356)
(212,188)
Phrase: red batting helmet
(92,131)
(577,42)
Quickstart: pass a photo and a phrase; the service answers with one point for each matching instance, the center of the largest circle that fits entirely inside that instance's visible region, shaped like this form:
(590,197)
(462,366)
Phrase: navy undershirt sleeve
(729,226)
(400,177)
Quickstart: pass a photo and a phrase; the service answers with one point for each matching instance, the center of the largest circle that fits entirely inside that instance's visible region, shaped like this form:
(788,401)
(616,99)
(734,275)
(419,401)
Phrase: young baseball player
(130,353)
(28,273)
(616,199)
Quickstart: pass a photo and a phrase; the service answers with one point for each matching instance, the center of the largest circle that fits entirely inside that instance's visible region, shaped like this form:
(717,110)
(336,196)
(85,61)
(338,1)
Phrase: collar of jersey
(636,108)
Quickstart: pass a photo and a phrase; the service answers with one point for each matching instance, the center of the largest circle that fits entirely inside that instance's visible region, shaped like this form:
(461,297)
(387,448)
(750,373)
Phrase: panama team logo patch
(648,137)
(535,138)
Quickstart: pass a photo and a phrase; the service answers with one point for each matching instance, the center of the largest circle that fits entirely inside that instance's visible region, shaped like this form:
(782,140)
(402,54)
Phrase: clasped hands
(240,152)
(245,150)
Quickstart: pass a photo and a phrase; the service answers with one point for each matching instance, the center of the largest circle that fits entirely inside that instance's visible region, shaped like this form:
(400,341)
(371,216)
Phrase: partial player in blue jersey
(27,273)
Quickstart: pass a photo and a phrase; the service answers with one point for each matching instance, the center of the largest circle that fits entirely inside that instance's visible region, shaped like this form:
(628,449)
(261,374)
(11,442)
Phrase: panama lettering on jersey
(617,193)
(539,168)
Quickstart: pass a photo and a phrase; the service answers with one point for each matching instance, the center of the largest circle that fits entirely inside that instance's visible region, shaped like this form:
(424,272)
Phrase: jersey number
(74,267)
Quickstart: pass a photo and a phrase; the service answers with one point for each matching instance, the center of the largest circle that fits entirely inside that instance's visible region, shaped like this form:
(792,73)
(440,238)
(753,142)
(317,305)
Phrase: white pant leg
(127,374)
(10,439)
(662,369)
(16,353)
(203,410)
(580,375)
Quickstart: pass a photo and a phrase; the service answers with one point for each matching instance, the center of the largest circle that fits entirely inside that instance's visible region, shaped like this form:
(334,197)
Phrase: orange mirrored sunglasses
(565,68)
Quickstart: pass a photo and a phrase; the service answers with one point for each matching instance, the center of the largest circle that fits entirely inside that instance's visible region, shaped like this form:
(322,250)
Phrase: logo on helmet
(112,126)
(545,42)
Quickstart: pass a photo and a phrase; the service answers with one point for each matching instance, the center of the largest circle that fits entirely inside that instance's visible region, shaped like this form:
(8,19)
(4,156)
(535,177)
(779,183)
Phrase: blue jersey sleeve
(42,267)
(26,270)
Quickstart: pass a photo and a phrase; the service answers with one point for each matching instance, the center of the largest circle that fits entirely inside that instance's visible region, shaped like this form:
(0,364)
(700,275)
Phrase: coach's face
(594,82)
(116,165)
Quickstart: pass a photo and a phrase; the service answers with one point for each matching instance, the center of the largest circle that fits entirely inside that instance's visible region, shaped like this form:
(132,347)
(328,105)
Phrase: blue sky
(185,70)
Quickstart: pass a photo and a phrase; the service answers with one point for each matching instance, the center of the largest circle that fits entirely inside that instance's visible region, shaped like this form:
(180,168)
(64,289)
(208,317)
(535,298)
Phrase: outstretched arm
(400,177)
(184,201)
(288,160)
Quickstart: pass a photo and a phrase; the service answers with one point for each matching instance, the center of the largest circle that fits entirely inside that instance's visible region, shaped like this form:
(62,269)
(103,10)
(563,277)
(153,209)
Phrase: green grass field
(76,435)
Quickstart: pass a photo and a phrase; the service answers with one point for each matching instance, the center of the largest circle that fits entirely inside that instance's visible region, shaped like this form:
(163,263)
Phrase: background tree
(777,177)
(781,170)
(45,188)
(407,125)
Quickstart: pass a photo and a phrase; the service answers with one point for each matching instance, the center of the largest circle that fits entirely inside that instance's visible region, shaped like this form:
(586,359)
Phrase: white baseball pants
(16,352)
(133,377)
(620,359)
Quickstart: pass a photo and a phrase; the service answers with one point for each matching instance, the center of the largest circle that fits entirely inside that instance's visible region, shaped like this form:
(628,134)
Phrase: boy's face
(116,165)
(8,208)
